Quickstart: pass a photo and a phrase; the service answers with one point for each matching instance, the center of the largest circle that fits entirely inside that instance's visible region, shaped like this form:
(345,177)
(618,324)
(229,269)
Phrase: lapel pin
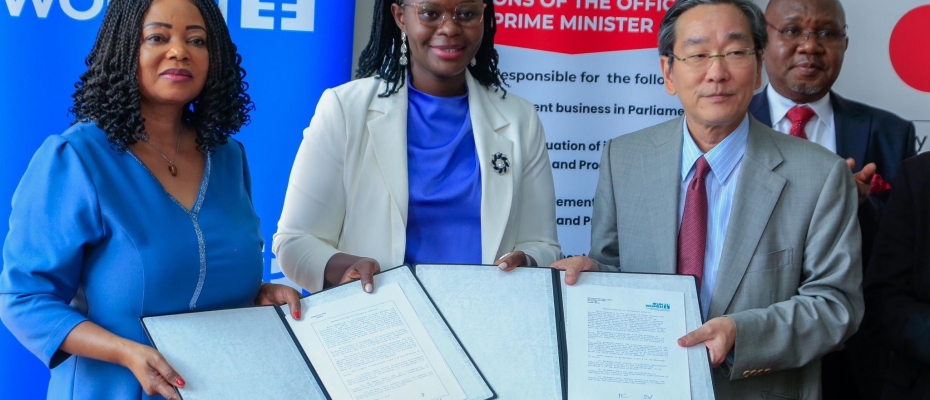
(500,163)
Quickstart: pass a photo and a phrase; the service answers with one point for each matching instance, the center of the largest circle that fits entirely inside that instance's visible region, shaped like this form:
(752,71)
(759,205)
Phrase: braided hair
(108,92)
(381,57)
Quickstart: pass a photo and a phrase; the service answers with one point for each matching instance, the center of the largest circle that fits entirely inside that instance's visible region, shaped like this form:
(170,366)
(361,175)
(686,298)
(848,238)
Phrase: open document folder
(609,336)
(390,344)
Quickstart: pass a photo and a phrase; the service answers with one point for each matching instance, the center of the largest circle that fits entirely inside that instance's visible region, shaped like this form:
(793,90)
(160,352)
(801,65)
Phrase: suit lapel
(496,189)
(759,108)
(852,130)
(757,193)
(662,207)
(388,133)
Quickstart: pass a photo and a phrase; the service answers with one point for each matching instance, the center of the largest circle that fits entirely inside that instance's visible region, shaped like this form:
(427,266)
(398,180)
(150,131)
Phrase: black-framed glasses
(801,35)
(434,14)
(734,58)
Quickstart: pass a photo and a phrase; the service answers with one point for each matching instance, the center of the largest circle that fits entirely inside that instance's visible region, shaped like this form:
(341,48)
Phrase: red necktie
(799,116)
(692,236)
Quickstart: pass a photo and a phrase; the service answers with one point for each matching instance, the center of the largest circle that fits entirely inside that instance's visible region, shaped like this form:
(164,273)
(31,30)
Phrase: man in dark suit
(897,287)
(807,43)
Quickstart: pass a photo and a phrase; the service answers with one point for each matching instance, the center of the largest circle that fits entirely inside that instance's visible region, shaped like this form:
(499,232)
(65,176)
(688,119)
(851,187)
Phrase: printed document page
(374,347)
(245,353)
(622,344)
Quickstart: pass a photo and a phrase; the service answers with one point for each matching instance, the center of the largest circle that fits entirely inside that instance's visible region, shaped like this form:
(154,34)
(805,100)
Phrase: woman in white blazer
(447,168)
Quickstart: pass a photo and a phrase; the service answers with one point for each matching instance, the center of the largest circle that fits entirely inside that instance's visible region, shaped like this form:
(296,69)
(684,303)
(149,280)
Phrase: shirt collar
(722,158)
(780,105)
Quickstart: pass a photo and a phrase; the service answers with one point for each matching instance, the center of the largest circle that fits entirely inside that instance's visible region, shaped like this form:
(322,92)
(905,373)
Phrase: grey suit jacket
(789,275)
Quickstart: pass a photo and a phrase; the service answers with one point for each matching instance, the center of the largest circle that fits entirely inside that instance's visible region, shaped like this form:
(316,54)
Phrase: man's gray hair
(753,14)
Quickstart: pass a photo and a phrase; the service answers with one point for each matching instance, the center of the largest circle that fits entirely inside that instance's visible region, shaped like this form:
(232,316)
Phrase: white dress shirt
(820,129)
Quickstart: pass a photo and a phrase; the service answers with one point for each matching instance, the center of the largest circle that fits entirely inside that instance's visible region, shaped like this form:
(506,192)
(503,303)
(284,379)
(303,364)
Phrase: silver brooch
(500,163)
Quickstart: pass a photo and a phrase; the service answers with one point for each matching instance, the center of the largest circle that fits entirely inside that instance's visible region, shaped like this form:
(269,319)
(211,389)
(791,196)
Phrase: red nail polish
(179,381)
(296,314)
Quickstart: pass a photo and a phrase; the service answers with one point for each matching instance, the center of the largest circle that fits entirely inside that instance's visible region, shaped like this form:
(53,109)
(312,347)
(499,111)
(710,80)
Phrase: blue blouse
(94,236)
(444,210)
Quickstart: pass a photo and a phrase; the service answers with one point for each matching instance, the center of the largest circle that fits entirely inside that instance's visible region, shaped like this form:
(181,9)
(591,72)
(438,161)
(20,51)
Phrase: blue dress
(94,236)
(444,207)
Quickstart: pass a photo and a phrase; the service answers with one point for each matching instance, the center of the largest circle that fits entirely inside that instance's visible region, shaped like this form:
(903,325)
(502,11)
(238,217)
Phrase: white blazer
(348,188)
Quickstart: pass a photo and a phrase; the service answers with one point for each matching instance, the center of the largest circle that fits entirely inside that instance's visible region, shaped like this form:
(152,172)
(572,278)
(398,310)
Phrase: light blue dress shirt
(94,236)
(724,159)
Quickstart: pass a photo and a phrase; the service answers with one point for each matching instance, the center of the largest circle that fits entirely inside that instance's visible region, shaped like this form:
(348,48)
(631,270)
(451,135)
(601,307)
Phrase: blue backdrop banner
(292,50)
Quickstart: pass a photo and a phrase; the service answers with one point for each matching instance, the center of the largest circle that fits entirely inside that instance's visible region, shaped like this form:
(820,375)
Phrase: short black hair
(108,92)
(381,57)
(755,16)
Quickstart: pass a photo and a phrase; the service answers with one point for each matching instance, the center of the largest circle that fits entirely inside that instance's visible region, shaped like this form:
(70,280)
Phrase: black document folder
(513,324)
(392,344)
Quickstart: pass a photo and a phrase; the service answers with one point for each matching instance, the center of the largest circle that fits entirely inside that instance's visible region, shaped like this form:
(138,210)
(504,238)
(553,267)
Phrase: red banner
(579,26)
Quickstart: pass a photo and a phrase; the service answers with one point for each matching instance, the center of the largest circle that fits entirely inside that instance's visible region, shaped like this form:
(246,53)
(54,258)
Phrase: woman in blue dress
(143,207)
(425,159)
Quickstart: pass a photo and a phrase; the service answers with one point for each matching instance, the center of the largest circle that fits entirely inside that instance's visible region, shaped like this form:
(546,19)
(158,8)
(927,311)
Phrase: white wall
(363,18)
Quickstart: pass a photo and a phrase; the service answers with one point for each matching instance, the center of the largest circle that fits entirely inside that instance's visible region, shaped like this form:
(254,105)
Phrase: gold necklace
(171,168)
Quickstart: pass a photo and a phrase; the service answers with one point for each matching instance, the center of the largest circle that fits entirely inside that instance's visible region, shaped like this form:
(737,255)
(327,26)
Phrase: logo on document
(294,15)
(658,307)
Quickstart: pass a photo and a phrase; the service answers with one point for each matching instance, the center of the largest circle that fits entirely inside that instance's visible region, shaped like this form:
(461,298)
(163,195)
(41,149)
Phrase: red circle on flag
(910,55)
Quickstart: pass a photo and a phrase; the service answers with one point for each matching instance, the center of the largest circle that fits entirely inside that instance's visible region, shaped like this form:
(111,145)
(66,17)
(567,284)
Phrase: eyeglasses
(433,14)
(825,37)
(733,58)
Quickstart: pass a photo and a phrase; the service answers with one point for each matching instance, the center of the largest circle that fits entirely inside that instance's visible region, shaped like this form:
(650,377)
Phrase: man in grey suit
(805,54)
(766,222)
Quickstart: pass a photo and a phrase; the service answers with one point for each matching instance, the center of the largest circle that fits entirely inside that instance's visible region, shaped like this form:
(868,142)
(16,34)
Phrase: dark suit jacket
(868,135)
(897,286)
